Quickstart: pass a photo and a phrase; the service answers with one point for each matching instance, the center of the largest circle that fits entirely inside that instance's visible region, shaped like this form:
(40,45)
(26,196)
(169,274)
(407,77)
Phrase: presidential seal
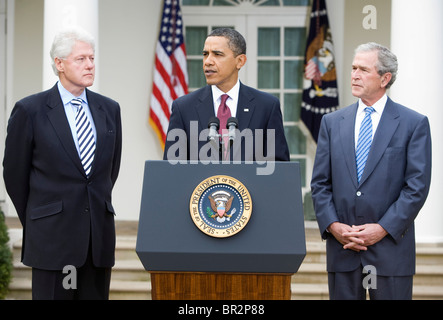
(220,206)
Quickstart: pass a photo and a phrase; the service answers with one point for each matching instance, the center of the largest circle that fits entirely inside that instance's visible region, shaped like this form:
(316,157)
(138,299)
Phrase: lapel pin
(246,110)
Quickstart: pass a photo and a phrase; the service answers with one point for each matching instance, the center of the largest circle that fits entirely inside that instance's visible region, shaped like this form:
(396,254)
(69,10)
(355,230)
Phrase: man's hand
(368,234)
(339,230)
(357,238)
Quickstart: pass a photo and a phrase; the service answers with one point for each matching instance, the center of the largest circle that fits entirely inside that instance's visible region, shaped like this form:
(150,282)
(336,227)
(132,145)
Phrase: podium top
(272,241)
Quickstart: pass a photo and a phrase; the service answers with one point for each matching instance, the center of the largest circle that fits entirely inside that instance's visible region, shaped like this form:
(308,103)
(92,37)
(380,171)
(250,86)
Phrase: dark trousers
(92,283)
(349,286)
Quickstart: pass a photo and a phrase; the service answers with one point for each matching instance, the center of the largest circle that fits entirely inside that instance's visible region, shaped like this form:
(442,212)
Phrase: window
(280,64)
(240,2)
(275,32)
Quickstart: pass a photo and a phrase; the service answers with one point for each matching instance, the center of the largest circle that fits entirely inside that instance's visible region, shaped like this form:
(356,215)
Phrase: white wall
(418,47)
(128,34)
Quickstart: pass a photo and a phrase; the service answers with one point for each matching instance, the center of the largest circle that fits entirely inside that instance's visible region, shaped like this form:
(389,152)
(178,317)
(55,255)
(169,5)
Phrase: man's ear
(385,79)
(241,61)
(59,64)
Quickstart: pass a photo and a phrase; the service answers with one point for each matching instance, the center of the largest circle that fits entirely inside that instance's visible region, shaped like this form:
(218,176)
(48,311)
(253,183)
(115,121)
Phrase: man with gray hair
(371,177)
(62,159)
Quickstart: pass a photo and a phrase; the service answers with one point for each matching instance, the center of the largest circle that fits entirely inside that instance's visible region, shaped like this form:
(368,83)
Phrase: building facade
(275,31)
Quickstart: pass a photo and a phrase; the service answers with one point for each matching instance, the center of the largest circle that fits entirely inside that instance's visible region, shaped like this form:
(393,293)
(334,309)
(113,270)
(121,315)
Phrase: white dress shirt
(231,102)
(379,106)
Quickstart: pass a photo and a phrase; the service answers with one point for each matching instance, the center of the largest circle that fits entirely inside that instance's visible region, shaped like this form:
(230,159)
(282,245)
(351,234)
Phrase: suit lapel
(385,130)
(347,133)
(99,116)
(245,107)
(57,117)
(205,108)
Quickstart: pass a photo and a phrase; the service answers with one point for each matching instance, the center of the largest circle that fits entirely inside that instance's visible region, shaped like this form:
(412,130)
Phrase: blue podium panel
(272,241)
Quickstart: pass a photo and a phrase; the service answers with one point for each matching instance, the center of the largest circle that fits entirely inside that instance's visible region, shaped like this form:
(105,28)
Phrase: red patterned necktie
(223,114)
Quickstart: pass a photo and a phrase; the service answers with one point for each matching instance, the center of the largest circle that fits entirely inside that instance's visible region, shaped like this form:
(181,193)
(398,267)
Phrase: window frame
(247,18)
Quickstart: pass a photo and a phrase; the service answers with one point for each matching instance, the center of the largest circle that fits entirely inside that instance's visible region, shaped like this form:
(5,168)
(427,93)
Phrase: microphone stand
(213,136)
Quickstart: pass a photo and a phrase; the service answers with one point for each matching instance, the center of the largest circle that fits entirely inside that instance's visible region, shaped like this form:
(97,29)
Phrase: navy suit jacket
(393,188)
(60,208)
(255,110)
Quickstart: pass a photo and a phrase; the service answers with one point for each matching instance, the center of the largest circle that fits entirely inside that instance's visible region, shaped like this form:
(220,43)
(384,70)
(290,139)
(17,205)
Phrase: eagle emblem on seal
(221,202)
(220,206)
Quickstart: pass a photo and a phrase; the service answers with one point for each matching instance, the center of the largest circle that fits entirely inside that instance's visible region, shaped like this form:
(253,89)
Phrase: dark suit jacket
(59,207)
(256,110)
(393,188)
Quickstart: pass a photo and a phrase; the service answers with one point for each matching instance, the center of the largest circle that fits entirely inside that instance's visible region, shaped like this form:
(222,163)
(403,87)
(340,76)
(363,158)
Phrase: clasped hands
(357,238)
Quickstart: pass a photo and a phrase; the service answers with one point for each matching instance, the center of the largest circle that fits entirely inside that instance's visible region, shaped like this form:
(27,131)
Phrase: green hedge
(5,258)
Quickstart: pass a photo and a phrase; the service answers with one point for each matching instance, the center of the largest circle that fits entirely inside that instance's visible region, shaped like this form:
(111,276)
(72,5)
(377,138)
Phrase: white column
(59,14)
(416,39)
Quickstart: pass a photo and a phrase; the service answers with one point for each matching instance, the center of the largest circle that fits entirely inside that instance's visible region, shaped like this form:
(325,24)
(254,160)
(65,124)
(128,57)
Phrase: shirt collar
(68,96)
(233,93)
(379,106)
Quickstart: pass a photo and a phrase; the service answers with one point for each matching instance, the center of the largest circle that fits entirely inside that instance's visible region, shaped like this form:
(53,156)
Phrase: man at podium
(226,120)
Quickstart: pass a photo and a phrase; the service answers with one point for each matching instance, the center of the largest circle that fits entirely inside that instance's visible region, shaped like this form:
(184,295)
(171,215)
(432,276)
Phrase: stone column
(64,13)
(416,39)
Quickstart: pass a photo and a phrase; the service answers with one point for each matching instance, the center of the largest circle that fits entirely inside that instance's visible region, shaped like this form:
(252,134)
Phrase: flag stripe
(158,106)
(159,99)
(170,79)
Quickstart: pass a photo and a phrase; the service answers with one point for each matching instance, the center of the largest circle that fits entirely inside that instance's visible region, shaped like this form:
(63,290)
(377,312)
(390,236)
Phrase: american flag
(170,74)
(320,92)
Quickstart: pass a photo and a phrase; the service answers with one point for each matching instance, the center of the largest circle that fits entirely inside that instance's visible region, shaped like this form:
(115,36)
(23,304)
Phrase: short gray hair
(65,40)
(387,61)
(236,41)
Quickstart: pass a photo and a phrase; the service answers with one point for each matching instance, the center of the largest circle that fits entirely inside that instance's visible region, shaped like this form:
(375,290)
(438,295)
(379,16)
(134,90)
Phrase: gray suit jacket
(393,188)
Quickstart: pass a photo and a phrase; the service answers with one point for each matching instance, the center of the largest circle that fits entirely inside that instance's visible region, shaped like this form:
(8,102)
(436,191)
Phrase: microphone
(232,125)
(213,125)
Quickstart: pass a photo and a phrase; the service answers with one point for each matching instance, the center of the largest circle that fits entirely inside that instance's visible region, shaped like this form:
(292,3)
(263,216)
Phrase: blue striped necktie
(364,142)
(85,136)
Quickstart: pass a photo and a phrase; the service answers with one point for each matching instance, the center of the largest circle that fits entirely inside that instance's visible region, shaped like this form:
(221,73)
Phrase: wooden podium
(220,286)
(187,263)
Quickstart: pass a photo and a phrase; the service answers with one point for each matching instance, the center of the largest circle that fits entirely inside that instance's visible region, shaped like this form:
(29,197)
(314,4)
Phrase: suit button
(358,193)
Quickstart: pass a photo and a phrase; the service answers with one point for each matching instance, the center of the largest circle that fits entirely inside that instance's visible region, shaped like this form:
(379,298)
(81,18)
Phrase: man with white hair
(62,158)
(371,177)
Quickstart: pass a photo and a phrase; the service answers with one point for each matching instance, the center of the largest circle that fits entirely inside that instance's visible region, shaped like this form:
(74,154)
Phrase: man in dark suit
(260,134)
(63,201)
(368,221)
